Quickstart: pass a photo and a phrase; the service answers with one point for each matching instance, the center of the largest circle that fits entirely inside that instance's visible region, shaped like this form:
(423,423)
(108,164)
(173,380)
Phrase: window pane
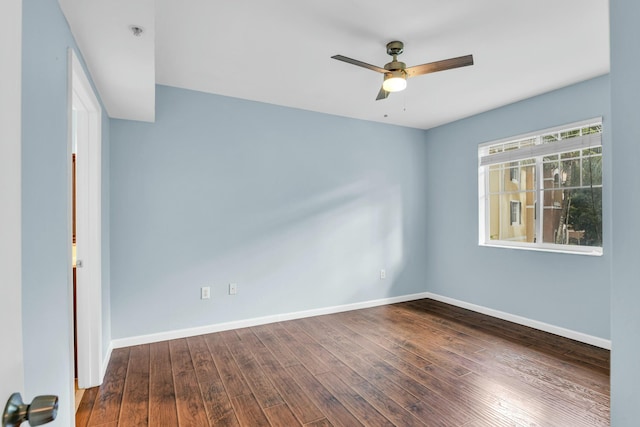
(514,172)
(574,217)
(590,151)
(592,129)
(512,216)
(570,134)
(495,172)
(551,174)
(570,155)
(494,219)
(513,176)
(592,171)
(511,146)
(528,177)
(570,173)
(527,142)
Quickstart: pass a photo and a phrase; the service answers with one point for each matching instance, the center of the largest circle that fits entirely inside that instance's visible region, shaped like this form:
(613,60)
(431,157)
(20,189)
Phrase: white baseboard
(208,329)
(567,333)
(218,327)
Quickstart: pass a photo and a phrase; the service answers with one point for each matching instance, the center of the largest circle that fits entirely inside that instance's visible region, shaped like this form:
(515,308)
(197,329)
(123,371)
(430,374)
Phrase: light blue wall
(300,209)
(47,303)
(570,291)
(625,294)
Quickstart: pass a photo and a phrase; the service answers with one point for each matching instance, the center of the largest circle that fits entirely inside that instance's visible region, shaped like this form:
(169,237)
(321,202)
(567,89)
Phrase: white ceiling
(279,52)
(122,66)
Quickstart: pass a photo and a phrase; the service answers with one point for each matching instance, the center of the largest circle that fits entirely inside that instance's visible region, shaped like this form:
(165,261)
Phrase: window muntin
(544,191)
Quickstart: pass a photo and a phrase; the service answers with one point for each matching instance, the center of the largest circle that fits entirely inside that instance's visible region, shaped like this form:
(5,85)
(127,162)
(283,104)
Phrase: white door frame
(88,222)
(11,356)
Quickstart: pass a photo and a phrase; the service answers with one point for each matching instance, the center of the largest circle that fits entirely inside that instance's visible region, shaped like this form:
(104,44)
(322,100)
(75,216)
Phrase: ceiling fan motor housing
(394,49)
(395,66)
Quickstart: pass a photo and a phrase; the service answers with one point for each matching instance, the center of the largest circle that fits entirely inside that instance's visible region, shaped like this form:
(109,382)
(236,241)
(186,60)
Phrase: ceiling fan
(396,73)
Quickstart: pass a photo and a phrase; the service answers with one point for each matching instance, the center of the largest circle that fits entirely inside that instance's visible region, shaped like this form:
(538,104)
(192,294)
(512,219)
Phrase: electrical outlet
(383,274)
(233,289)
(205,292)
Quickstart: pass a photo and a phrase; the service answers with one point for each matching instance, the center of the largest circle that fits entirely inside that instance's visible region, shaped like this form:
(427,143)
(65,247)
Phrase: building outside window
(543,191)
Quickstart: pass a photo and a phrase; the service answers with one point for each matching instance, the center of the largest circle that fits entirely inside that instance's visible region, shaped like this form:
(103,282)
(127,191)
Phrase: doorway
(85,140)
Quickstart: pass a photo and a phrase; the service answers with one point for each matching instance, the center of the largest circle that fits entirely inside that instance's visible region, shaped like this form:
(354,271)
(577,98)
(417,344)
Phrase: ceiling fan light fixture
(394,81)
(396,72)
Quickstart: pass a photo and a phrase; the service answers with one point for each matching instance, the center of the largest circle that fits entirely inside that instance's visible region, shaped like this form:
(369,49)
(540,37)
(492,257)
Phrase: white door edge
(88,223)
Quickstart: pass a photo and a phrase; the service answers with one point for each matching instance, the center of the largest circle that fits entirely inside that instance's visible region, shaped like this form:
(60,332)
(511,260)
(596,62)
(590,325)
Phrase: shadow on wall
(322,251)
(331,244)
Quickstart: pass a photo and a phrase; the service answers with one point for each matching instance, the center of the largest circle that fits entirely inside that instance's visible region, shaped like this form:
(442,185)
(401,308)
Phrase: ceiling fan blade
(359,63)
(446,64)
(383,94)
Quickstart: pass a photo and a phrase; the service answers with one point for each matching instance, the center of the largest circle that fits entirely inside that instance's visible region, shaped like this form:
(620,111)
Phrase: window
(543,191)
(514,172)
(516,207)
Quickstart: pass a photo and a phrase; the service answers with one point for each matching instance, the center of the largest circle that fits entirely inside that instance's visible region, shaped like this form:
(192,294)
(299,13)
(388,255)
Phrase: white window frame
(527,150)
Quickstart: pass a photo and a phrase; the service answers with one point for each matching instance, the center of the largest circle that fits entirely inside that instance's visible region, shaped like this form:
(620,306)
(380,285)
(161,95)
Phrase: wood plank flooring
(421,363)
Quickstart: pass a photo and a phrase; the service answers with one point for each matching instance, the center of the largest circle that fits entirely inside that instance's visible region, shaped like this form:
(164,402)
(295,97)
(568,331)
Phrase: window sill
(562,249)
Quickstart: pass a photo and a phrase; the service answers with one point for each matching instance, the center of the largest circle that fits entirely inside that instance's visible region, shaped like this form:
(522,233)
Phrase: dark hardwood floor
(421,363)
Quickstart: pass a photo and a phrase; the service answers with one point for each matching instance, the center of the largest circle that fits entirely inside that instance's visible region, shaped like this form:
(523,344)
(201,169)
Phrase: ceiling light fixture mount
(136,30)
